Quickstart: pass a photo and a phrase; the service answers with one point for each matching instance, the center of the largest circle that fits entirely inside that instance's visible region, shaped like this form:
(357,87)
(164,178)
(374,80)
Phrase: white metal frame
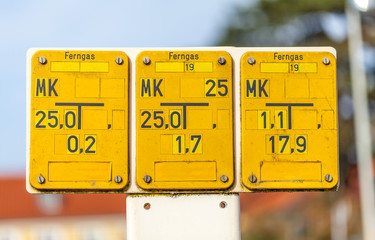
(132,53)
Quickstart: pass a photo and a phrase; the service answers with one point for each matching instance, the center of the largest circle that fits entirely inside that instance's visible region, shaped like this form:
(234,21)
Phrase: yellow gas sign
(184,111)
(79,120)
(289,120)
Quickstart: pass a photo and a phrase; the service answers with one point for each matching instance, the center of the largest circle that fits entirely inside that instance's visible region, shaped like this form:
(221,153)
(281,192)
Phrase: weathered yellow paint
(304,68)
(290,171)
(79,171)
(185,171)
(81,143)
(192,88)
(87,87)
(95,67)
(223,119)
(169,67)
(201,67)
(184,122)
(65,67)
(274,67)
(112,88)
(288,120)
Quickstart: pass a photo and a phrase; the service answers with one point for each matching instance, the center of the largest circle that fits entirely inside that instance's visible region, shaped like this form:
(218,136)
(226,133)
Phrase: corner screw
(224,178)
(223,204)
(147,178)
(146,60)
(147,206)
(118,179)
(328,178)
(221,60)
(41,179)
(251,60)
(42,60)
(119,61)
(253,178)
(326,61)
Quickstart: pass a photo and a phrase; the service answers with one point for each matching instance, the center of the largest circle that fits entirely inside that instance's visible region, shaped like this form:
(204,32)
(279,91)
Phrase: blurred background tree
(284,23)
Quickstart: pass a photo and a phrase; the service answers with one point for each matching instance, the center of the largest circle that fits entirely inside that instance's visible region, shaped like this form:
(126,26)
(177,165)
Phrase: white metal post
(361,123)
(184,216)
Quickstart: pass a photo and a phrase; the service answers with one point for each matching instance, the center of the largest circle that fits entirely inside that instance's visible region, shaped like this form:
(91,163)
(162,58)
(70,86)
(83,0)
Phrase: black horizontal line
(184,104)
(290,104)
(80,104)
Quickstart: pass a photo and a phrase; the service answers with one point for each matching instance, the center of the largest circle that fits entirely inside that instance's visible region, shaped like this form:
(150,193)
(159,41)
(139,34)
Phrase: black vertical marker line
(79,105)
(79,117)
(289,105)
(184,105)
(184,115)
(290,117)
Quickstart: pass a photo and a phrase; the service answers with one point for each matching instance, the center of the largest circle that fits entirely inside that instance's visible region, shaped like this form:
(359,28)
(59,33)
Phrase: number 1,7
(179,143)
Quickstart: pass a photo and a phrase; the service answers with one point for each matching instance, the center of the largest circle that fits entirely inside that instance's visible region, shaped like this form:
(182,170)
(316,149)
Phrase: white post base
(185,216)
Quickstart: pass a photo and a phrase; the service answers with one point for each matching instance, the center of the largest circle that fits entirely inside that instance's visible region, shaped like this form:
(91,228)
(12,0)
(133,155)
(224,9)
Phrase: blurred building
(278,215)
(59,216)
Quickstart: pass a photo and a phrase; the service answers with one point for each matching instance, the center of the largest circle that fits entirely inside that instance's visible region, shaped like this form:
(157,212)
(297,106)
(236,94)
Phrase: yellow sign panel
(184,109)
(289,120)
(79,120)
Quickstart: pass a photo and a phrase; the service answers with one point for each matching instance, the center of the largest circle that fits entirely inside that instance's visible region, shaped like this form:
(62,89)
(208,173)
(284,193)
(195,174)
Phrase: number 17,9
(281,144)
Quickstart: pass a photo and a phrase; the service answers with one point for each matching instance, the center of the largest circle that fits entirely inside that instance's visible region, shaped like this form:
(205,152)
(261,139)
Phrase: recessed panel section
(79,171)
(288,121)
(78,121)
(290,171)
(184,122)
(185,171)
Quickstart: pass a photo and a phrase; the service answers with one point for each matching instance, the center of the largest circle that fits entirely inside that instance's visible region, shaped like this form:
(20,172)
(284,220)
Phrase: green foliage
(271,22)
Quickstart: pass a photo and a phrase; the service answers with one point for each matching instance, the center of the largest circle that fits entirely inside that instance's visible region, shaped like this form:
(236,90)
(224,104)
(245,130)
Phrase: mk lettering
(257,88)
(44,90)
(151,88)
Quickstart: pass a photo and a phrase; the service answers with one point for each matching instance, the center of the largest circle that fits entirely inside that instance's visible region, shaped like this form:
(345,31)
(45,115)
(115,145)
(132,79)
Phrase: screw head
(221,60)
(42,60)
(253,178)
(119,61)
(118,179)
(41,179)
(147,206)
(326,61)
(328,178)
(251,60)
(147,178)
(224,178)
(223,204)
(146,60)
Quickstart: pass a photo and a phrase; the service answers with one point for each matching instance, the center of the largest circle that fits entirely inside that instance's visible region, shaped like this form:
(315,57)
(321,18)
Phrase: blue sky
(84,23)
